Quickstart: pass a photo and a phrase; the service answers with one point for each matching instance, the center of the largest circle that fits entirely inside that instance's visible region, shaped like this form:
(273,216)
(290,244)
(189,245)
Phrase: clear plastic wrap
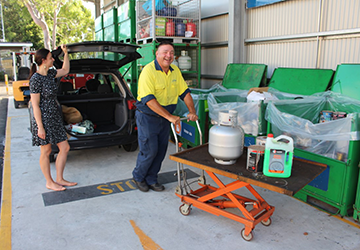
(276,94)
(249,113)
(197,95)
(300,119)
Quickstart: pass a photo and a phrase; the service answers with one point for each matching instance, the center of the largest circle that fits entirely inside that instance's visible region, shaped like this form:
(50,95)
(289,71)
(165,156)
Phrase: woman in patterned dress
(47,126)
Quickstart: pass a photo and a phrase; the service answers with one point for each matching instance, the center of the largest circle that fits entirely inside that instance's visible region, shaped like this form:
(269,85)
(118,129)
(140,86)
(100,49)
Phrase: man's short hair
(165,42)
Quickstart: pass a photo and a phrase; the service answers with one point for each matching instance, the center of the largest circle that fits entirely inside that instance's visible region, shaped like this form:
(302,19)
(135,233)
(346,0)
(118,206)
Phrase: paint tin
(326,116)
(255,158)
(339,115)
(340,156)
(261,140)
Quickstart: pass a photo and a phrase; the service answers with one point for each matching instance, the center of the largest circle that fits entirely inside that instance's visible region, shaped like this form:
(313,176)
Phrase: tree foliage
(19,26)
(55,22)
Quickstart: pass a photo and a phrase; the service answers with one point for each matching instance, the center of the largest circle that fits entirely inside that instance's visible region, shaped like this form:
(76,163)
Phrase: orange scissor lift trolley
(215,200)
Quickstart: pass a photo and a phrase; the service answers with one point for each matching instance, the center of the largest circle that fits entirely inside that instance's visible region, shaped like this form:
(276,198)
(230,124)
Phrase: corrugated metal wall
(304,34)
(214,58)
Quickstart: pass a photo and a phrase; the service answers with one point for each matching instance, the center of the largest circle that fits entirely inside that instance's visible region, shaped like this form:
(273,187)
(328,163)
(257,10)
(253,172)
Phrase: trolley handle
(175,135)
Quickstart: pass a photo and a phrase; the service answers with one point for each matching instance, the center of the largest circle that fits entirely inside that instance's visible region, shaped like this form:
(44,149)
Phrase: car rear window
(96,55)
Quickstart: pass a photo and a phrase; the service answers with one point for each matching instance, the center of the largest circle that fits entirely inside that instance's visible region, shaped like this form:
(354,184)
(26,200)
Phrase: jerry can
(170,28)
(190,26)
(278,156)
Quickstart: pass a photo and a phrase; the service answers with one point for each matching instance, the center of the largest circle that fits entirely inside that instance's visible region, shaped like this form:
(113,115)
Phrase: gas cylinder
(191,27)
(175,62)
(170,28)
(226,140)
(184,61)
(180,28)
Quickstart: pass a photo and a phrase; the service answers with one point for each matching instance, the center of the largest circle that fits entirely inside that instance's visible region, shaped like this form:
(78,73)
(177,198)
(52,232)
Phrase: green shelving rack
(151,22)
(192,76)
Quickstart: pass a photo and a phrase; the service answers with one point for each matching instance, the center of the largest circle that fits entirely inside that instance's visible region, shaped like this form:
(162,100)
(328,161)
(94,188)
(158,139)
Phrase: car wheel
(130,147)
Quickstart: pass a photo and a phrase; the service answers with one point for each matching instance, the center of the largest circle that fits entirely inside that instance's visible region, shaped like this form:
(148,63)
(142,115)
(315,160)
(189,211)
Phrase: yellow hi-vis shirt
(165,88)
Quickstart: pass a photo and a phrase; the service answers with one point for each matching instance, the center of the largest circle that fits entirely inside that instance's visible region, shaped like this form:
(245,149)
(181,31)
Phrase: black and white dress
(50,112)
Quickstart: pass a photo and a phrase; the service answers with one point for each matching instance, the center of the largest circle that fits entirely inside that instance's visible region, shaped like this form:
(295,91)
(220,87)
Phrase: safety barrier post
(7,83)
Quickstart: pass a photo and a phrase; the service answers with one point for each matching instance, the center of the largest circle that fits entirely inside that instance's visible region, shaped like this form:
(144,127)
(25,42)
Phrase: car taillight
(131,104)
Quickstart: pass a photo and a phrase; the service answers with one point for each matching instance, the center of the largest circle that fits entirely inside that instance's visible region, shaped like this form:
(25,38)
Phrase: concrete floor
(130,219)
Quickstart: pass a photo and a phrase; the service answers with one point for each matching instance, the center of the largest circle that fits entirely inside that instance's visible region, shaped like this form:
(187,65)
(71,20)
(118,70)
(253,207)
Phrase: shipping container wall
(304,34)
(340,50)
(215,29)
(301,54)
(214,59)
(283,18)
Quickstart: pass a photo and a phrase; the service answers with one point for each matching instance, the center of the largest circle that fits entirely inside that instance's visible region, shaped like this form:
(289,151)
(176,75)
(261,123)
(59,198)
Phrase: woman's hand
(64,48)
(41,133)
(66,64)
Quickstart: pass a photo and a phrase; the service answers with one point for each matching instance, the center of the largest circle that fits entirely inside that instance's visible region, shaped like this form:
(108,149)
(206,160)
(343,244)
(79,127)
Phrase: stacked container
(99,32)
(110,31)
(126,18)
(178,21)
(154,15)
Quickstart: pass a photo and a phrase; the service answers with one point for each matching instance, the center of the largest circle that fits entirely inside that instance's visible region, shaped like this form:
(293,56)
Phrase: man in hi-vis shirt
(159,87)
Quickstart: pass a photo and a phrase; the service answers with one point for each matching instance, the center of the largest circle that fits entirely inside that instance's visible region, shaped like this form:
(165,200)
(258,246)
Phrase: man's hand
(192,117)
(174,119)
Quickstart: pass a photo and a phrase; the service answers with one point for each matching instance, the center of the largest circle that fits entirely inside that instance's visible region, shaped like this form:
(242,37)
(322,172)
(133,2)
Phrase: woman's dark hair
(39,56)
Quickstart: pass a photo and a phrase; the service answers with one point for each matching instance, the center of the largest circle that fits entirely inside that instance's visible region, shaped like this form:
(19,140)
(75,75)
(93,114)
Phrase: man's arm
(190,105)
(155,106)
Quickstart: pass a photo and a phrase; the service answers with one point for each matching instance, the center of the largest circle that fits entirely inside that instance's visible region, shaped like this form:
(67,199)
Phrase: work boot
(142,185)
(157,187)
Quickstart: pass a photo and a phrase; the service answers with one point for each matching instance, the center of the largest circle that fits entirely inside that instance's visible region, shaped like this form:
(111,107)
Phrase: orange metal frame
(204,199)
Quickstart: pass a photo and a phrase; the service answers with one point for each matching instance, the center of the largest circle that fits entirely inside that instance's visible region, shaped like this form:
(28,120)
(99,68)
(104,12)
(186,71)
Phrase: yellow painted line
(5,222)
(335,216)
(146,242)
(348,222)
(18,116)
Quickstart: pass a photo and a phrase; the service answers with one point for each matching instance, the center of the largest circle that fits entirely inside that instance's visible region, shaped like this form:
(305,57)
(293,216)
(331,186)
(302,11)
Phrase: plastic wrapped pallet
(300,119)
(248,112)
(198,95)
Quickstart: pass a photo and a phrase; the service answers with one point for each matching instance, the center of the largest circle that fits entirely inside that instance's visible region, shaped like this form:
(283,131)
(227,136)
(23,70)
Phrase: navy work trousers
(153,137)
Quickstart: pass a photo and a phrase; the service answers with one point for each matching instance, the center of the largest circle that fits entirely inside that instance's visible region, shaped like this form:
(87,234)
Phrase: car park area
(105,211)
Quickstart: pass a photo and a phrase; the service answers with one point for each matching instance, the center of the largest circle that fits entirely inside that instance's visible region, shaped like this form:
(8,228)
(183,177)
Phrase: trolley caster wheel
(266,222)
(248,237)
(185,209)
